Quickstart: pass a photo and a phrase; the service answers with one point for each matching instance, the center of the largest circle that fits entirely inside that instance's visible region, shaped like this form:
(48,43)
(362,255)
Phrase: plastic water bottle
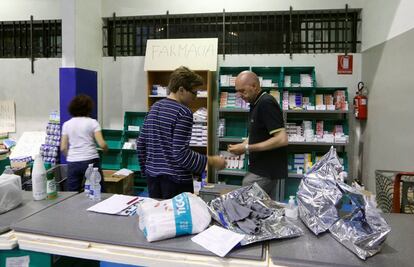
(8,170)
(88,174)
(39,179)
(96,184)
(291,211)
(203,179)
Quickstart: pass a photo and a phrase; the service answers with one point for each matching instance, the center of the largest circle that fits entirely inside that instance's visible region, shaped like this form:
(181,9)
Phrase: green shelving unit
(237,119)
(111,160)
(113,138)
(236,128)
(130,160)
(37,259)
(134,119)
(295,72)
(270,73)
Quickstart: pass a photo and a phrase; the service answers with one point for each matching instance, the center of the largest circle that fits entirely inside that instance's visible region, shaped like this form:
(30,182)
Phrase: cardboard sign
(344,64)
(169,54)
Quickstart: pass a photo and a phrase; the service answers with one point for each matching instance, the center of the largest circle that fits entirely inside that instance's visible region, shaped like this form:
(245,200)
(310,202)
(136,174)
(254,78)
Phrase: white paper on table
(123,172)
(218,240)
(114,204)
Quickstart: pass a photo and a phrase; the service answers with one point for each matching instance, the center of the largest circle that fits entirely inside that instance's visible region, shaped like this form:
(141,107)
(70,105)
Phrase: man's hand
(217,162)
(237,149)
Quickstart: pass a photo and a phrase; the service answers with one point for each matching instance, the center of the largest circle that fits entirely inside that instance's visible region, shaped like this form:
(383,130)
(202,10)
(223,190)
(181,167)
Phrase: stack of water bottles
(93,183)
(50,149)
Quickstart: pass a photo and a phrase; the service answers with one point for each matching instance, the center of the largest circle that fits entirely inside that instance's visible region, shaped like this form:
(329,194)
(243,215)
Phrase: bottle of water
(88,174)
(203,179)
(96,184)
(8,170)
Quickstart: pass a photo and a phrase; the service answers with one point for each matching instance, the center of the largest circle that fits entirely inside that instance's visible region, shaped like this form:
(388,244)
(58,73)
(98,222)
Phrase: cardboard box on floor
(118,184)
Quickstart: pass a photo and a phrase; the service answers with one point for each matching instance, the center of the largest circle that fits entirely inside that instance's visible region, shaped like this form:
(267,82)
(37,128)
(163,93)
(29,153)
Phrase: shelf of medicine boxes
(292,173)
(236,126)
(161,77)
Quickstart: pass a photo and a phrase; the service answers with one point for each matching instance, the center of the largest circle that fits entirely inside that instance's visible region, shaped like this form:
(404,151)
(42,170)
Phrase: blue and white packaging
(184,214)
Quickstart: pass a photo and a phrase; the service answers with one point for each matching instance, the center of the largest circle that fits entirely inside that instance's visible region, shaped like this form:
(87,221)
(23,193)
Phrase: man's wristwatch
(246,149)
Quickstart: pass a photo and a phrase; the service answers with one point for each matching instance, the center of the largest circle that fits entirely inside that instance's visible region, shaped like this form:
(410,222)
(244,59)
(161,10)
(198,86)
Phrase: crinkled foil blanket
(320,195)
(276,226)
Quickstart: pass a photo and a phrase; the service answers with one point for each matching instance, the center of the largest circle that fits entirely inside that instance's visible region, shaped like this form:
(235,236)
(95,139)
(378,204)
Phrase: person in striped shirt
(163,147)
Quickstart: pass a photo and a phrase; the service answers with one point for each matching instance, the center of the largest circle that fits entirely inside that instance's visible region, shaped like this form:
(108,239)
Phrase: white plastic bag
(10,192)
(184,214)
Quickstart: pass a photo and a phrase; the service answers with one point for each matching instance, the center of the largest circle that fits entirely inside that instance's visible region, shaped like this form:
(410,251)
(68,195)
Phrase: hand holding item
(217,162)
(237,149)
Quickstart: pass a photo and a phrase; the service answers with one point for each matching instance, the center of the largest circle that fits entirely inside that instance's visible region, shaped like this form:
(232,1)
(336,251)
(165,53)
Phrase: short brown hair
(184,77)
(81,106)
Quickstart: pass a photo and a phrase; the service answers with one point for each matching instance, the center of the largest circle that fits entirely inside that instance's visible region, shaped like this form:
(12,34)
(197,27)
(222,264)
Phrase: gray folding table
(24,210)
(70,220)
(324,250)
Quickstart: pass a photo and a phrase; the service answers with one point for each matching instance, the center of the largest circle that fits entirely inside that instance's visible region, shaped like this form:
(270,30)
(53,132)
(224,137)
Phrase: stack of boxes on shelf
(297,101)
(267,82)
(304,81)
(337,101)
(199,136)
(305,133)
(232,100)
(234,162)
(301,163)
(221,129)
(227,80)
(159,90)
(202,93)
(50,149)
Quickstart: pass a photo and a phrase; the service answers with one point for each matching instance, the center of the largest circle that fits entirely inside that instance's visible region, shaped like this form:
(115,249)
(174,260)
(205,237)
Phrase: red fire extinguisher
(360,103)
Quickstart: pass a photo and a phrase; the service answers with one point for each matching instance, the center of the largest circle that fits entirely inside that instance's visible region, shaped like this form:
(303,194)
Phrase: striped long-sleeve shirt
(163,144)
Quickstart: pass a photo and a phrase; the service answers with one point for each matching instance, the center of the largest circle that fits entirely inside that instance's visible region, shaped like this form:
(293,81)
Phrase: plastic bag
(184,214)
(10,192)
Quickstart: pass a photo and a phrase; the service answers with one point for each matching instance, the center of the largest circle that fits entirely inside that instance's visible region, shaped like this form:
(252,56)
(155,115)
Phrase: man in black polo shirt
(267,143)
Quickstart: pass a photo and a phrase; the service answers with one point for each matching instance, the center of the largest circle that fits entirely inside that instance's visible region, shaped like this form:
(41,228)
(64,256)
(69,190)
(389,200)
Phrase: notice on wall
(345,64)
(7,117)
(169,54)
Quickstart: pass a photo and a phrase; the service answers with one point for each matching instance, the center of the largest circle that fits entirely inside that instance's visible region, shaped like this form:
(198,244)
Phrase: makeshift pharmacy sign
(169,54)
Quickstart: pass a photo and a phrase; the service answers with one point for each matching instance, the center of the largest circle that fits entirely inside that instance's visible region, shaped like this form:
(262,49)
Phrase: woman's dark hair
(81,106)
(184,77)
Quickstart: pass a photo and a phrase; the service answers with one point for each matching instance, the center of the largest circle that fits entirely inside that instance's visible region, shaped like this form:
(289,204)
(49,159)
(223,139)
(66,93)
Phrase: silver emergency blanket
(320,195)
(265,221)
(363,230)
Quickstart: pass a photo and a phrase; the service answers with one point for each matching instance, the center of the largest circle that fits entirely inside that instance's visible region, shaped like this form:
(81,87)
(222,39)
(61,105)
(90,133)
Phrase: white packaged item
(184,214)
(39,179)
(10,192)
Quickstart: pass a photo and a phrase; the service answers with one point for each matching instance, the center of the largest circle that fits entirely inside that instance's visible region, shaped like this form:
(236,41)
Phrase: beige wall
(388,134)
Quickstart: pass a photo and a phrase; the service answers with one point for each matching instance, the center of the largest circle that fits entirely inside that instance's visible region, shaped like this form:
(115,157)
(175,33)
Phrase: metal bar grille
(22,39)
(316,31)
